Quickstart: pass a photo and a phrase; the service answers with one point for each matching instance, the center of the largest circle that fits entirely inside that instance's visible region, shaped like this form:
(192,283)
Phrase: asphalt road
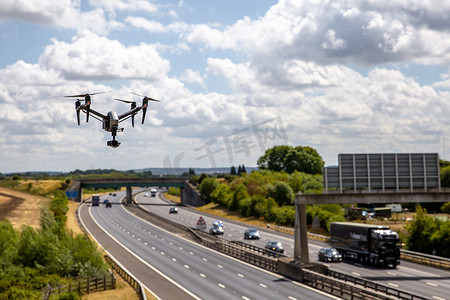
(173,267)
(414,278)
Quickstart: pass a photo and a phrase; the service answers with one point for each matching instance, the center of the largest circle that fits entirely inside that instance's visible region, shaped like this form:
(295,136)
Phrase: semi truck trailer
(368,244)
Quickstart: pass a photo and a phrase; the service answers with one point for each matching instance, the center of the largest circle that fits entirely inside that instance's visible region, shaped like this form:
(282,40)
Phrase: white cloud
(93,57)
(338,32)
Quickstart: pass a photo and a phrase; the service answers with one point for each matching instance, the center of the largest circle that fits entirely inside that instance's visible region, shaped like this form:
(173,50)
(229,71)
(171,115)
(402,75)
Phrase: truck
(369,244)
(153,192)
(95,200)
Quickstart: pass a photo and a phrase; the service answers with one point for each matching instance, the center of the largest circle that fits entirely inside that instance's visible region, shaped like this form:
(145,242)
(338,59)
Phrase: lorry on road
(153,192)
(95,200)
(366,243)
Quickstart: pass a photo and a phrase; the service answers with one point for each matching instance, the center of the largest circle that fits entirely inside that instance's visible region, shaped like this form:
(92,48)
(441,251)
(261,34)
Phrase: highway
(414,278)
(174,267)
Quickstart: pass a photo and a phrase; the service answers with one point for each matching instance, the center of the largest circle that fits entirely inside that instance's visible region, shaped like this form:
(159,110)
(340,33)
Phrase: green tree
(233,171)
(441,239)
(289,159)
(445,176)
(221,195)
(446,208)
(239,193)
(420,232)
(207,186)
(281,192)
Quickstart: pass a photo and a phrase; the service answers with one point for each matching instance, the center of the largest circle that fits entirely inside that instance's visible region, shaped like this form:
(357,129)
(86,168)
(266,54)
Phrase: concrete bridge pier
(129,195)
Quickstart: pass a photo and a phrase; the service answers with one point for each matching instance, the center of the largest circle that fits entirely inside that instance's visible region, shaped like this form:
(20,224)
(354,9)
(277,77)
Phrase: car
(329,254)
(146,195)
(251,233)
(216,229)
(275,246)
(173,210)
(218,223)
(107,203)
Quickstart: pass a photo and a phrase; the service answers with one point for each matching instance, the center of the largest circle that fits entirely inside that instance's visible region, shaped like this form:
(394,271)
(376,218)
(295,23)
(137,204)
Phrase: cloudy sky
(234,78)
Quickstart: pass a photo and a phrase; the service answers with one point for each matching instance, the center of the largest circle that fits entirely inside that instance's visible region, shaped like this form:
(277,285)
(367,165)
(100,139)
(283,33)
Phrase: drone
(110,121)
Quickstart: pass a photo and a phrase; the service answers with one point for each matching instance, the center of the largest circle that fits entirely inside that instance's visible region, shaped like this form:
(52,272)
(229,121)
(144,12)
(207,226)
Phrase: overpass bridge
(75,190)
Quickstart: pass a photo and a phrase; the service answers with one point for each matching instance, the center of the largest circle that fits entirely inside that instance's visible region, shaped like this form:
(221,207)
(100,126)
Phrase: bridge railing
(367,284)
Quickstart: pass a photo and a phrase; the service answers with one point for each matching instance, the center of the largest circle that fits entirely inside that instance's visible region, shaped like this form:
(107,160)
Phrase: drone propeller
(87,102)
(145,97)
(87,94)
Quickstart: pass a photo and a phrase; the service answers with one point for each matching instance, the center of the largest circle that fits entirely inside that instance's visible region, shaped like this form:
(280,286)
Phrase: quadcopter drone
(112,119)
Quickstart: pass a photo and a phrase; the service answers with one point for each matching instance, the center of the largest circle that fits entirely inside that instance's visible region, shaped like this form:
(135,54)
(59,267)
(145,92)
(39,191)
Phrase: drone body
(110,121)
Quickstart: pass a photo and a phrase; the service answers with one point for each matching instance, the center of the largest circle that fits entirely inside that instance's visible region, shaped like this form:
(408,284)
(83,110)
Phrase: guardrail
(127,277)
(398,294)
(417,257)
(425,259)
(82,286)
(114,265)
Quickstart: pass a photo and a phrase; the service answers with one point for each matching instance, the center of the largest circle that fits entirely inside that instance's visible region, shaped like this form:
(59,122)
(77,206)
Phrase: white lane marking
(162,253)
(136,256)
(220,266)
(240,261)
(393,284)
(292,298)
(432,284)
(245,298)
(415,270)
(392,273)
(174,259)
(438,298)
(356,274)
(202,275)
(204,259)
(186,266)
(240,275)
(263,285)
(221,285)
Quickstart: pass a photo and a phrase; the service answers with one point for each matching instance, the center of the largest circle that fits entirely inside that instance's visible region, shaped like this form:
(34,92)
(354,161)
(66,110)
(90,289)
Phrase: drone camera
(113,143)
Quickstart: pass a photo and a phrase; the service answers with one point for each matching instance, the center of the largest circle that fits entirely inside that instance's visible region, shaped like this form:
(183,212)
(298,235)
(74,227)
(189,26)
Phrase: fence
(367,284)
(127,277)
(82,286)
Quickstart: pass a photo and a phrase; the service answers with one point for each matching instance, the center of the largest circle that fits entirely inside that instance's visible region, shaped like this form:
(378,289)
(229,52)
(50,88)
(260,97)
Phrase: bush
(174,191)
(207,186)
(221,195)
(281,192)
(446,208)
(239,193)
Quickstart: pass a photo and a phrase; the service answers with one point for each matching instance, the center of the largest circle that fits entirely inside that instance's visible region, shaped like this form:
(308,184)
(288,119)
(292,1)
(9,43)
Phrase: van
(397,208)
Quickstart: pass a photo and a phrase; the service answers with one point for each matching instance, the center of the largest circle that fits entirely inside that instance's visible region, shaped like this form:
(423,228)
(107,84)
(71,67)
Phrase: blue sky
(234,77)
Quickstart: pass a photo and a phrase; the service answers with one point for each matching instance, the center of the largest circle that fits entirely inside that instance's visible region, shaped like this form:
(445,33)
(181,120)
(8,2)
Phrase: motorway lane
(202,272)
(414,278)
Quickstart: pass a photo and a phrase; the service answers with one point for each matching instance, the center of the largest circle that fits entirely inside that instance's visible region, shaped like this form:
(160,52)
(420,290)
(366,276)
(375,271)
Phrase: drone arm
(94,112)
(129,113)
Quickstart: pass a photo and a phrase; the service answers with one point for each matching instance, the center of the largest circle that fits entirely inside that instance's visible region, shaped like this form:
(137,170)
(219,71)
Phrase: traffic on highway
(202,273)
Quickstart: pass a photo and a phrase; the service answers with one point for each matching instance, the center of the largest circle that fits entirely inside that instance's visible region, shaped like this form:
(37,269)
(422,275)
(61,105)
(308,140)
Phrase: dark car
(329,254)
(107,203)
(275,246)
(173,210)
(251,233)
(216,229)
